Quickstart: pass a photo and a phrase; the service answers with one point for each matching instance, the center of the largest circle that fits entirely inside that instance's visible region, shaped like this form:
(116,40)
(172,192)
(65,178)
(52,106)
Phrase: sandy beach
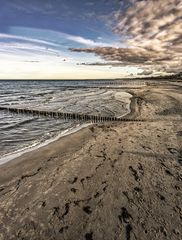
(105,182)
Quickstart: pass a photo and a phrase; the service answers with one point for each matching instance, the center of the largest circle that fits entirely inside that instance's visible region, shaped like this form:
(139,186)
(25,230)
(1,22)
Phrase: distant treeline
(168,77)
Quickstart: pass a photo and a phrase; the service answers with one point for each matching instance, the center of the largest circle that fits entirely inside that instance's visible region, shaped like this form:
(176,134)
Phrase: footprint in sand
(87,209)
(89,236)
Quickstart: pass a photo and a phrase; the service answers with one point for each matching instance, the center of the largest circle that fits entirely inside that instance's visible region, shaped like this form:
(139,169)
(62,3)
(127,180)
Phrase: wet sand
(107,181)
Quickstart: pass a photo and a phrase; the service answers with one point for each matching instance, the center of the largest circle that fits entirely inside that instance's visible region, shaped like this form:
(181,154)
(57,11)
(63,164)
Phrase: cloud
(146,73)
(86,41)
(113,64)
(123,55)
(152,33)
(32,42)
(53,38)
(25,49)
(14,45)
(27,39)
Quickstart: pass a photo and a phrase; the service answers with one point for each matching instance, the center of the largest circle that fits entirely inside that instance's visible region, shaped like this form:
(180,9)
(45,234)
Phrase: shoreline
(15,155)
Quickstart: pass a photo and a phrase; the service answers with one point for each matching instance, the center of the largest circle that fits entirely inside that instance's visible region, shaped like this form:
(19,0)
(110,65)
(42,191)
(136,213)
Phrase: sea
(20,133)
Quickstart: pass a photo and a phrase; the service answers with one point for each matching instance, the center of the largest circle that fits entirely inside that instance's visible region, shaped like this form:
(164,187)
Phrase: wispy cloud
(26,39)
(57,37)
(26,49)
(86,41)
(22,46)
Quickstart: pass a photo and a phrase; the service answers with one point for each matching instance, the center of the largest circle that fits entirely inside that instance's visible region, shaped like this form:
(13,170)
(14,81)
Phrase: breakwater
(65,115)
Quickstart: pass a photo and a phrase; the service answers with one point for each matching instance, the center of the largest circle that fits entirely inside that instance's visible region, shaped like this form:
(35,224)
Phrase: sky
(89,39)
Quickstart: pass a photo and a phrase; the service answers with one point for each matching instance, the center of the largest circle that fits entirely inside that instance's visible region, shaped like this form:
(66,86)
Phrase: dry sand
(105,182)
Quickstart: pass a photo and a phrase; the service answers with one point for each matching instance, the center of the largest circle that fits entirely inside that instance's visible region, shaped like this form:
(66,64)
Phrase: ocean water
(20,132)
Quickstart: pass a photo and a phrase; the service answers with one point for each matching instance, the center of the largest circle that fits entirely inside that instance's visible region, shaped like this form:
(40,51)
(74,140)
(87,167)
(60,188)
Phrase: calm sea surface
(18,132)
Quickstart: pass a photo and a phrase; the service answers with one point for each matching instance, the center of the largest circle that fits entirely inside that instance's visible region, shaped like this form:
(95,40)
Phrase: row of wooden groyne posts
(67,116)
(107,84)
(117,82)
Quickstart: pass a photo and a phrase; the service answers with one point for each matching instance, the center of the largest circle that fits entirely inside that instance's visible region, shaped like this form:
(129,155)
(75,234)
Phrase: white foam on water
(36,96)
(36,145)
(125,98)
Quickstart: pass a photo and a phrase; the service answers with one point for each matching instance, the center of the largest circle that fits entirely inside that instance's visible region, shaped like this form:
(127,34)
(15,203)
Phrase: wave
(36,145)
(17,124)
